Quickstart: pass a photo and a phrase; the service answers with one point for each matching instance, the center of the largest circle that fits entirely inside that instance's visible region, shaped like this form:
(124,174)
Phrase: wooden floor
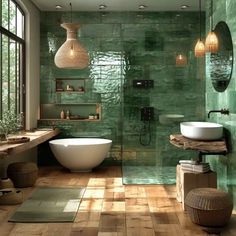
(109,208)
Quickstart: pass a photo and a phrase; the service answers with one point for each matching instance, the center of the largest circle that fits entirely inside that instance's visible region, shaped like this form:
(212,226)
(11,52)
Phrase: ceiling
(118,5)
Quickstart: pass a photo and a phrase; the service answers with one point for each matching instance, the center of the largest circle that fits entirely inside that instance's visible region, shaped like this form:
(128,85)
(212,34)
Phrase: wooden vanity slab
(216,146)
(36,137)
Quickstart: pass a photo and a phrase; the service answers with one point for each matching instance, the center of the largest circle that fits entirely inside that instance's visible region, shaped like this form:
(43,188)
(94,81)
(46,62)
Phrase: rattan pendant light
(71,55)
(199,49)
(181,60)
(211,44)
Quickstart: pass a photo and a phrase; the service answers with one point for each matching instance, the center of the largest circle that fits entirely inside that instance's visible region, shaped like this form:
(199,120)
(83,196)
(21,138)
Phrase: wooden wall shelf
(73,120)
(65,91)
(70,85)
(77,111)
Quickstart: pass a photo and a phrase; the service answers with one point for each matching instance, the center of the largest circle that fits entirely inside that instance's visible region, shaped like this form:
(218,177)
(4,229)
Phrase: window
(12,53)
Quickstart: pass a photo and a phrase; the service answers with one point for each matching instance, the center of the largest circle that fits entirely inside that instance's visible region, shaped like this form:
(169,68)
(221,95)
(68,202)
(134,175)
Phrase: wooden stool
(209,206)
(186,181)
(23,174)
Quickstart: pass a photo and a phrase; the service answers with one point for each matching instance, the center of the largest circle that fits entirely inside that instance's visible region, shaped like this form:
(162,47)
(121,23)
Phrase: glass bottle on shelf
(62,114)
(68,114)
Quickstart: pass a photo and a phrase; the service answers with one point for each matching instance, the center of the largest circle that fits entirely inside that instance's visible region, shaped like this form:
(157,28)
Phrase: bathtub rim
(65,141)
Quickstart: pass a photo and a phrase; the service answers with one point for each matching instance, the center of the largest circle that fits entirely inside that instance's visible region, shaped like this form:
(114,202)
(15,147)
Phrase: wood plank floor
(109,208)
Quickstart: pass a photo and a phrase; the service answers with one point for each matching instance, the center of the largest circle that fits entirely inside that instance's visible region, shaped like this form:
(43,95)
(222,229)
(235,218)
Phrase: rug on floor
(50,204)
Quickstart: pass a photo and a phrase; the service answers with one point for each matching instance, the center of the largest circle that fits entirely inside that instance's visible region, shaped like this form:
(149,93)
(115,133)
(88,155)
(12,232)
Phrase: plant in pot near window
(10,123)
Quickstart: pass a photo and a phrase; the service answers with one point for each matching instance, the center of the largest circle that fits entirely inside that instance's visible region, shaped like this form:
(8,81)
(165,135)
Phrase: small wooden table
(187,180)
(36,137)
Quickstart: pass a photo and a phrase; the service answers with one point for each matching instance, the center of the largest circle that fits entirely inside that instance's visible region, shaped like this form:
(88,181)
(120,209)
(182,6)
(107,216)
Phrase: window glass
(4,21)
(12,17)
(19,24)
(12,55)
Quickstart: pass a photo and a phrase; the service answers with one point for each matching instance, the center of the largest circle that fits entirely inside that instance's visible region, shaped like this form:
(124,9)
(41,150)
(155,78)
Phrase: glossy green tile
(224,165)
(124,46)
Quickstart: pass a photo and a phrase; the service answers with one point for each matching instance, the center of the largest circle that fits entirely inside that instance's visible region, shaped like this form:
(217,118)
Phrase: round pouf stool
(209,206)
(23,174)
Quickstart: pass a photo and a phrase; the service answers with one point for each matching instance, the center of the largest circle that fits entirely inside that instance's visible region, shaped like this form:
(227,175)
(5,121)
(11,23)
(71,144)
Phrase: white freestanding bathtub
(80,154)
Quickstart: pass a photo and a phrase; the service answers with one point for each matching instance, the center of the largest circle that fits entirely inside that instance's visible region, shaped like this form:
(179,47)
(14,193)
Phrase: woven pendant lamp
(199,49)
(181,60)
(211,44)
(71,55)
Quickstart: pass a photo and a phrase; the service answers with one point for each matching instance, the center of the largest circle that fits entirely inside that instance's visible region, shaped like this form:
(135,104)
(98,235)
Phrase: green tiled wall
(124,46)
(224,165)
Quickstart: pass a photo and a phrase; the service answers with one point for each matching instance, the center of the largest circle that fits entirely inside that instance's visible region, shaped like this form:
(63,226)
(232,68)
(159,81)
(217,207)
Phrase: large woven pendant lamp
(211,44)
(71,55)
(199,49)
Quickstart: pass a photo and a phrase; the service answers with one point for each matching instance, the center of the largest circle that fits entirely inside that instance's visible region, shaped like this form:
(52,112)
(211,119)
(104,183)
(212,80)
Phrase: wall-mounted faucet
(222,111)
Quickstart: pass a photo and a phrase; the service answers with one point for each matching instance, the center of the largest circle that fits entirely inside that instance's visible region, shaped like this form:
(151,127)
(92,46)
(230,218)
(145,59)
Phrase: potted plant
(10,123)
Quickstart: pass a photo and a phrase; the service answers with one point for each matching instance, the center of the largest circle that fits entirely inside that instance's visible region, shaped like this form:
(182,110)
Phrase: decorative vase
(62,114)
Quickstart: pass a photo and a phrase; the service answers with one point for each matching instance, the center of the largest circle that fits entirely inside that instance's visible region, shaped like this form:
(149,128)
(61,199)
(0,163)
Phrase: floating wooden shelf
(211,147)
(70,92)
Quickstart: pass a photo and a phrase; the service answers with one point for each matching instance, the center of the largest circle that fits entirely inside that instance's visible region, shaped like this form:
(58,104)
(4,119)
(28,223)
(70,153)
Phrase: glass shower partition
(146,155)
(151,42)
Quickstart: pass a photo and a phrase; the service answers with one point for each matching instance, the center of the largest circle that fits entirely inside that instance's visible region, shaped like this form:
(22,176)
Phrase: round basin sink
(167,119)
(201,130)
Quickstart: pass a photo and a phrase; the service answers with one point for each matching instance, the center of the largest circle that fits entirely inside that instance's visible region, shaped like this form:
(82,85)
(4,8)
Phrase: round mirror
(221,63)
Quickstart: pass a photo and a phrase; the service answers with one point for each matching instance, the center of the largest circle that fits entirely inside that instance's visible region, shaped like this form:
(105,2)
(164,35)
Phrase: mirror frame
(216,59)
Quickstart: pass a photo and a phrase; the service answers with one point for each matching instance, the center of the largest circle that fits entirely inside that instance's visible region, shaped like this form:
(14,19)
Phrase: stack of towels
(194,166)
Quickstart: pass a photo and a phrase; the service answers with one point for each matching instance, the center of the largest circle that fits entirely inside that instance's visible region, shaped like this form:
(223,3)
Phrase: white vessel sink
(167,119)
(201,130)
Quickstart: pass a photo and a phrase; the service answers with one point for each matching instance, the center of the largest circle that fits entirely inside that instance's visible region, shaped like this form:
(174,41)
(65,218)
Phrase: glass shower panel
(150,51)
(144,139)
(144,144)
(147,156)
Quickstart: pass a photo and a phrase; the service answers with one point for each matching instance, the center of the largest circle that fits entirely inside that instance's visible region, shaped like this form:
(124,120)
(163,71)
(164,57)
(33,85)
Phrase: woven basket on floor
(23,174)
(6,183)
(209,206)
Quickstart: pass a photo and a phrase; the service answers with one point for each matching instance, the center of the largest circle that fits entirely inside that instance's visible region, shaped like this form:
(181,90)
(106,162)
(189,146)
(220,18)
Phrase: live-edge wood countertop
(216,146)
(36,137)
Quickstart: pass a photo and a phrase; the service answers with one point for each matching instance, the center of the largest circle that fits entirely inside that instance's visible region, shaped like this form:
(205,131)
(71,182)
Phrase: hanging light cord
(70,12)
(72,45)
(211,21)
(200,20)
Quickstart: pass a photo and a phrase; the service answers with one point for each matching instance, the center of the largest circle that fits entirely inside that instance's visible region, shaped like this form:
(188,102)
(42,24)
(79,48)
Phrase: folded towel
(196,169)
(188,162)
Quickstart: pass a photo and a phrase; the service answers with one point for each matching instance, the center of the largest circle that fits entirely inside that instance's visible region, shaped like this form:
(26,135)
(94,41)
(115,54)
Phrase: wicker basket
(209,206)
(23,174)
(6,183)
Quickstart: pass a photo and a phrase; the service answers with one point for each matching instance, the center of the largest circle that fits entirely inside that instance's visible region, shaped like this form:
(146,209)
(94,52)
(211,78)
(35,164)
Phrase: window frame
(20,60)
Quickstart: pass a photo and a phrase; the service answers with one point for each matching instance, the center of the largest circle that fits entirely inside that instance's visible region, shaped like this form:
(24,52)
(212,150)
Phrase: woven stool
(23,174)
(209,206)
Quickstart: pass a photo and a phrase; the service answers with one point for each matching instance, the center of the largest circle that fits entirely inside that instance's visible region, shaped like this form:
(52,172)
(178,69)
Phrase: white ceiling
(118,5)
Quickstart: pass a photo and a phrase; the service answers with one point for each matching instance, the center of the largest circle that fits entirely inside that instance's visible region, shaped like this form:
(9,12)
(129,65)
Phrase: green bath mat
(50,205)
